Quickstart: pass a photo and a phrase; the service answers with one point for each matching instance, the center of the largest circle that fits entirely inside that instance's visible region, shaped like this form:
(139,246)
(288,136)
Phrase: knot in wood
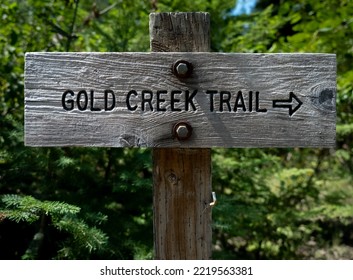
(172,178)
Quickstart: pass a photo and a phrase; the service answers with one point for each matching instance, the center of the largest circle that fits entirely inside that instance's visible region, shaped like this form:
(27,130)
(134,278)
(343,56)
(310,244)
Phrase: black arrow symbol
(292,105)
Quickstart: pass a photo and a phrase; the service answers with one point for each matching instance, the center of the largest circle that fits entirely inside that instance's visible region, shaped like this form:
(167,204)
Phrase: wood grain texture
(311,77)
(182,181)
(182,213)
(180,32)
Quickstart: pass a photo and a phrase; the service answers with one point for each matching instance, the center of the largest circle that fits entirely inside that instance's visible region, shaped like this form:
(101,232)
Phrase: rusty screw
(182,69)
(182,131)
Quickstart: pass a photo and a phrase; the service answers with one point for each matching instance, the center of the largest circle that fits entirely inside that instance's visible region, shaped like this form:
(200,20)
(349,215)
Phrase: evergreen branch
(27,208)
(20,216)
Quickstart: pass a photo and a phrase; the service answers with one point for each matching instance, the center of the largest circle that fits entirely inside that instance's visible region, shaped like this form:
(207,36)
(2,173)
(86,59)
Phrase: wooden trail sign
(136,99)
(183,98)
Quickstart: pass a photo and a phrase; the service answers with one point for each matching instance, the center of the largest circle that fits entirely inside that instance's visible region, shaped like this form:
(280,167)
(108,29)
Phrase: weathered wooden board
(134,99)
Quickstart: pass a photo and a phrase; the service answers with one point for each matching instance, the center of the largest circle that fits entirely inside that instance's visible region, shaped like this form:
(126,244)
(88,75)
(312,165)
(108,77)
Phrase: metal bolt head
(182,69)
(182,131)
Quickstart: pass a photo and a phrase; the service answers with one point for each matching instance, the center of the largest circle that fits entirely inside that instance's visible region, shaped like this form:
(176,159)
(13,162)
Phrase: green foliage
(91,203)
(29,209)
(81,239)
(280,205)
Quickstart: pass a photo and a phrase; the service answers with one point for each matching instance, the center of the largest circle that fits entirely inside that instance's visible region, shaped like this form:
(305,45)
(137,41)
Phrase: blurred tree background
(95,203)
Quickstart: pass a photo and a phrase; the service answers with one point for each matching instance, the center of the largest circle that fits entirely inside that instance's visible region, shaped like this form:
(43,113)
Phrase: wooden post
(181,177)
